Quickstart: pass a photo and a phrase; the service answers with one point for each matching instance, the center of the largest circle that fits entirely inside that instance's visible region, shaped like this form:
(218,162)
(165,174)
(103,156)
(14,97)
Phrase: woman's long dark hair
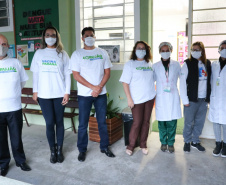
(148,55)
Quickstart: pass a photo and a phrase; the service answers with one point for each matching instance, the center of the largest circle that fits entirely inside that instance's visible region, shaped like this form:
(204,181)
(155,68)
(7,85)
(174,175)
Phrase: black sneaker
(223,152)
(198,146)
(217,149)
(187,147)
(171,149)
(163,147)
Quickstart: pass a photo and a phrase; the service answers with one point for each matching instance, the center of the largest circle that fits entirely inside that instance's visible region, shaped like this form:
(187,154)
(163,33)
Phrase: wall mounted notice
(31,18)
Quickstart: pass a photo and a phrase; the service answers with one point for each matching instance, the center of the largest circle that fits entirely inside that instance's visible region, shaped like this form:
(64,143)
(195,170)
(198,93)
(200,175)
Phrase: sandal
(145,151)
(129,152)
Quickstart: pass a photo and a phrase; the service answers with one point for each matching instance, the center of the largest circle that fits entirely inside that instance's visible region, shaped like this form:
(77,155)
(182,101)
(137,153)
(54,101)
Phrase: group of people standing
(52,69)
(200,84)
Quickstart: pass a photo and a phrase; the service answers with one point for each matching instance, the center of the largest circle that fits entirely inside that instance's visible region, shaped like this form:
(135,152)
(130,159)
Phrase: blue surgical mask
(140,53)
(196,54)
(223,53)
(165,55)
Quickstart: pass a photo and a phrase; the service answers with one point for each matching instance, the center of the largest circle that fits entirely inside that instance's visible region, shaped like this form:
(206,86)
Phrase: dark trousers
(141,122)
(14,121)
(85,105)
(53,112)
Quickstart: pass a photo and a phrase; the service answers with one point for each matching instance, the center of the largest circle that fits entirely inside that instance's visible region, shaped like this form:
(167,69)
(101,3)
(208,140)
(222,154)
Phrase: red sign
(36,19)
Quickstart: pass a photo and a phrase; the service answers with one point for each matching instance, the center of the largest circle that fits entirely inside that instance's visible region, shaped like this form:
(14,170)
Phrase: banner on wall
(182,43)
(31,18)
(113,52)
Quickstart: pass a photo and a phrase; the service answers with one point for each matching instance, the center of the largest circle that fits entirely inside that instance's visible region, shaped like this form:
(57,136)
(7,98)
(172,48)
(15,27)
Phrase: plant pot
(115,129)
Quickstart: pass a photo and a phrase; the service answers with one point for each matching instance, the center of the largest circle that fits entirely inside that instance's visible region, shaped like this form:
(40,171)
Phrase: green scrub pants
(167,131)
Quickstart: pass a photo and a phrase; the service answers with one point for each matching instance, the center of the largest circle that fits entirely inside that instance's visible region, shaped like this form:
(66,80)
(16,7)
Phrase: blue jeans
(53,112)
(85,105)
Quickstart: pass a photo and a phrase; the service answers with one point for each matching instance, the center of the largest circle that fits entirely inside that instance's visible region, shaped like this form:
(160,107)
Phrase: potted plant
(114,124)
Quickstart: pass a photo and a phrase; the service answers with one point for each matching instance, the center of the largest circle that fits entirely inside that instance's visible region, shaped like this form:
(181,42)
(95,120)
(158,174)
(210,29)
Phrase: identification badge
(218,81)
(167,89)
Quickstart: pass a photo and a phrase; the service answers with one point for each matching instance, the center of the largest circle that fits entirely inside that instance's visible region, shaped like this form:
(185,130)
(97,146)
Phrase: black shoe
(187,147)
(198,146)
(223,152)
(4,171)
(53,155)
(24,166)
(60,156)
(171,149)
(82,156)
(108,152)
(163,147)
(217,149)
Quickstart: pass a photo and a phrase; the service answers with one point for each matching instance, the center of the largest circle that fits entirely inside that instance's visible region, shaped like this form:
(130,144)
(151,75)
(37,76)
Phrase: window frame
(136,27)
(10,11)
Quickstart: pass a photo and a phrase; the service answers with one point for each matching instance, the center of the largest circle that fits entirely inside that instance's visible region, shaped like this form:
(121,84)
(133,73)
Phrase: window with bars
(113,22)
(6,18)
(208,24)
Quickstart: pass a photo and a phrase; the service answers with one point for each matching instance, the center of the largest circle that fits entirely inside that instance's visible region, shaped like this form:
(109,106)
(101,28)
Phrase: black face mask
(222,63)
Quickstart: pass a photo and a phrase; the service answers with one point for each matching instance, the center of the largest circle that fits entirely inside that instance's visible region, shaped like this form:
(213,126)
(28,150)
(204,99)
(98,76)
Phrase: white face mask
(3,51)
(165,55)
(140,53)
(89,41)
(50,41)
(223,53)
(196,54)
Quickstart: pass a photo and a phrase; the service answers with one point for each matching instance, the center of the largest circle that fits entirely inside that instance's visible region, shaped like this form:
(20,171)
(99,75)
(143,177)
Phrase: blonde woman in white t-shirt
(51,88)
(138,83)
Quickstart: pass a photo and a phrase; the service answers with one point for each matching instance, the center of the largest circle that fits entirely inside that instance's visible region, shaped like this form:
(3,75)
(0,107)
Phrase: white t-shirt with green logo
(90,64)
(139,75)
(52,69)
(12,73)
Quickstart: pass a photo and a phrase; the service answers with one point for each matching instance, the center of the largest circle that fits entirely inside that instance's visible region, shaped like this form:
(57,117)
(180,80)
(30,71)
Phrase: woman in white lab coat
(217,109)
(167,107)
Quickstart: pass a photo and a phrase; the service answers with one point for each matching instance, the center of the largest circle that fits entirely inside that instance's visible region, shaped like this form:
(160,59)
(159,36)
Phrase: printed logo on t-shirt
(49,62)
(202,72)
(96,57)
(8,70)
(144,68)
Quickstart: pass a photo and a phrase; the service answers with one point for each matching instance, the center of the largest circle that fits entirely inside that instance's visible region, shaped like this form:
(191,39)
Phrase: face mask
(196,54)
(3,51)
(223,53)
(165,55)
(140,53)
(50,41)
(89,41)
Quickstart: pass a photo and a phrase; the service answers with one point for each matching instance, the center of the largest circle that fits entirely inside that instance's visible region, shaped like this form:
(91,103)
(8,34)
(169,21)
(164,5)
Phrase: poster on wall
(31,18)
(31,46)
(11,52)
(22,54)
(182,43)
(113,52)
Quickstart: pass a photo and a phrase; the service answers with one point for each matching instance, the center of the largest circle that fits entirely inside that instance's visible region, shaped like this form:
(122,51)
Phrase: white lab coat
(167,104)
(217,108)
